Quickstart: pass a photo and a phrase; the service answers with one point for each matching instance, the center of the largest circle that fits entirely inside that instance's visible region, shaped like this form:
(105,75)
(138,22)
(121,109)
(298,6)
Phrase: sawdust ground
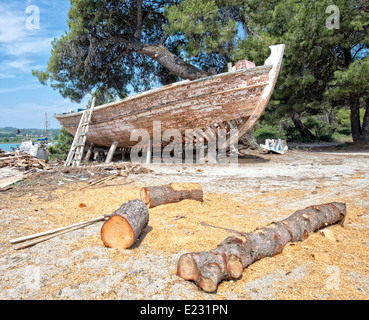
(342,273)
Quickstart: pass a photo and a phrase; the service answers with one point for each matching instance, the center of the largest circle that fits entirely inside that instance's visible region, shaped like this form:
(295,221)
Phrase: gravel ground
(265,188)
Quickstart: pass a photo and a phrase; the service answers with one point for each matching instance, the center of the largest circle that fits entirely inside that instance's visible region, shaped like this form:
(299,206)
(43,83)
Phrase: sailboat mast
(45,124)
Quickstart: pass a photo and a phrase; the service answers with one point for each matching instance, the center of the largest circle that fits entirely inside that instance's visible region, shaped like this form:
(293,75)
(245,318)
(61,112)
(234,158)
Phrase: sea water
(9,146)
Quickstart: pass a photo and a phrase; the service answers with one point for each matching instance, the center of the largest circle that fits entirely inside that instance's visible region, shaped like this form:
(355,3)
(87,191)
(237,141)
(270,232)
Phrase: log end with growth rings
(117,233)
(187,268)
(234,267)
(145,196)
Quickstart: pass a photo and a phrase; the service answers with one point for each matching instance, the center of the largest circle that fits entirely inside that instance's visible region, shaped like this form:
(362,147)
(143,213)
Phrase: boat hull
(184,105)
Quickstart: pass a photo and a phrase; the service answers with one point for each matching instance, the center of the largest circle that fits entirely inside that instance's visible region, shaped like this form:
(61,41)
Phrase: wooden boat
(234,99)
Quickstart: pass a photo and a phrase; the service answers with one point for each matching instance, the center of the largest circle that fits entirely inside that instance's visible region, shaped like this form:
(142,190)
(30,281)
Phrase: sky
(26,46)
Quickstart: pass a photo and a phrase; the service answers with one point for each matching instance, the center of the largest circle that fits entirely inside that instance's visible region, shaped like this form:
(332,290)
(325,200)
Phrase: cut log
(239,251)
(125,225)
(171,193)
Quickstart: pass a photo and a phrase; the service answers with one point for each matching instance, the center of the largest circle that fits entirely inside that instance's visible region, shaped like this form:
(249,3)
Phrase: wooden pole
(37,235)
(45,238)
(111,152)
(45,124)
(149,151)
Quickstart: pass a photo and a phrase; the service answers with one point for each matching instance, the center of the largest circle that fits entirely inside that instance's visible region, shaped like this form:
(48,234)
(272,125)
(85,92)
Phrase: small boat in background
(39,149)
(36,150)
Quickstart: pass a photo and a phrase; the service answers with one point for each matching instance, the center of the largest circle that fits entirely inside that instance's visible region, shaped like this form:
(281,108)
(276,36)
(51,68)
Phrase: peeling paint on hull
(241,94)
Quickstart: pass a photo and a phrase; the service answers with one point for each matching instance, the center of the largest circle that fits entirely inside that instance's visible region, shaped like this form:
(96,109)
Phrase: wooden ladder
(76,151)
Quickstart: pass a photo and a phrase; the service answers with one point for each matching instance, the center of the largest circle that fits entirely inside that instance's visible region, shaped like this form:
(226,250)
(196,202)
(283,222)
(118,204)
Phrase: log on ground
(175,192)
(237,252)
(125,225)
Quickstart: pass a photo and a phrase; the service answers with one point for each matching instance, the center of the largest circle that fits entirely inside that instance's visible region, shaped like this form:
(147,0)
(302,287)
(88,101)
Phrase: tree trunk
(249,141)
(174,192)
(365,127)
(304,131)
(236,253)
(167,59)
(125,225)
(174,64)
(355,117)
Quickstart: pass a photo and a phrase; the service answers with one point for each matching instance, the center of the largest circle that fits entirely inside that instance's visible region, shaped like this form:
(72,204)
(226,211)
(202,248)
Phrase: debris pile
(20,160)
(101,171)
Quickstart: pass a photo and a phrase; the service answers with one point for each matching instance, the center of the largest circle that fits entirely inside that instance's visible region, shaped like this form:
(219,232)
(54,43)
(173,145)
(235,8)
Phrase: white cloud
(19,64)
(23,87)
(20,48)
(32,114)
(11,26)
(25,46)
(16,39)
(4,75)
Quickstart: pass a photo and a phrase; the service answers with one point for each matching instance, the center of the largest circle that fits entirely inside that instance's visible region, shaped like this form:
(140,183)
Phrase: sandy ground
(261,189)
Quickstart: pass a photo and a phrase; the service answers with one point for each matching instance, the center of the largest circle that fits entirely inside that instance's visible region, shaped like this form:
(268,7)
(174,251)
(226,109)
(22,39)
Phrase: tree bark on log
(171,193)
(125,225)
(239,251)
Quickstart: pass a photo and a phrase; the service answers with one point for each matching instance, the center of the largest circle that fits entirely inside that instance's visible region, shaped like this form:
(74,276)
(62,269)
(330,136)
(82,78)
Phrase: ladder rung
(76,150)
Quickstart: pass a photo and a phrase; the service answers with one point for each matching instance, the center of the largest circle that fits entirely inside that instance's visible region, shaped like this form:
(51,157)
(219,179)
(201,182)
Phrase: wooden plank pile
(21,159)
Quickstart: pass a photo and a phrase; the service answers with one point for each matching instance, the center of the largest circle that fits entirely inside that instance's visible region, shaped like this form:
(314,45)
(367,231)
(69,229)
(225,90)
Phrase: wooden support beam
(149,152)
(111,152)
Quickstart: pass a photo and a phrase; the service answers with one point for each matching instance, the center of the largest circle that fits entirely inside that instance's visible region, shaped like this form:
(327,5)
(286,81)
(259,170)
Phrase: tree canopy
(315,54)
(117,46)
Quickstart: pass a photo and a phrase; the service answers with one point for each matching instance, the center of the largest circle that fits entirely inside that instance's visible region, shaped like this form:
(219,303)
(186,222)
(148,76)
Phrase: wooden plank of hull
(183,105)
(182,117)
(178,92)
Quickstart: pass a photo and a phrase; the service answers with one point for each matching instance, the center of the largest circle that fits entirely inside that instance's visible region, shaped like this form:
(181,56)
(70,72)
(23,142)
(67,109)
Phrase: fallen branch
(239,251)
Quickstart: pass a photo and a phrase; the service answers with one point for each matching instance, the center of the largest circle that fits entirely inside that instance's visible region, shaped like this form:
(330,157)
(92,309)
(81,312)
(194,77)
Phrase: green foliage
(269,132)
(354,79)
(61,149)
(321,66)
(205,26)
(103,95)
(97,51)
(9,134)
(320,128)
